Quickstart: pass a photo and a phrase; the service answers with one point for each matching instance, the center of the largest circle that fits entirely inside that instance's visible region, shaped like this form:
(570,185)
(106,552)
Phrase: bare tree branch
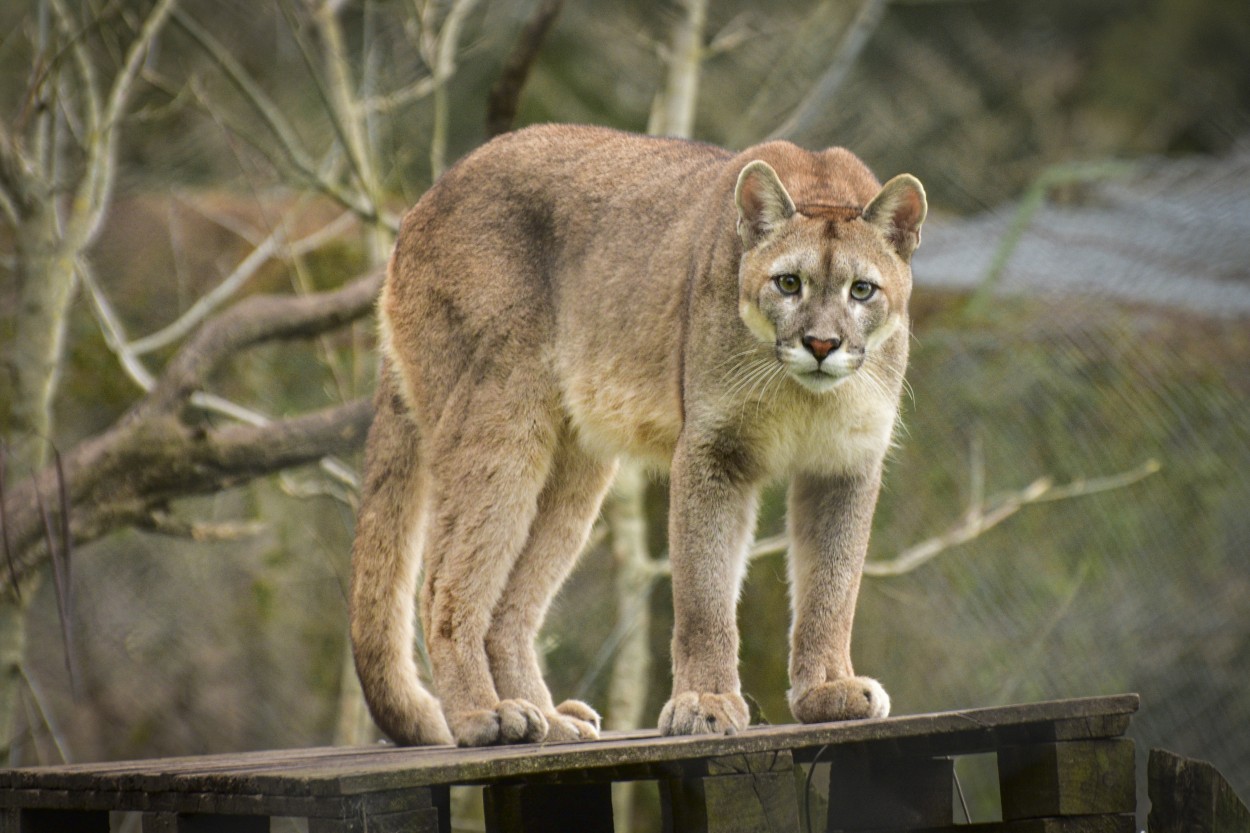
(138,466)
(505,93)
(816,102)
(978,520)
(444,68)
(275,245)
(101,164)
(155,453)
(289,146)
(681,92)
(254,320)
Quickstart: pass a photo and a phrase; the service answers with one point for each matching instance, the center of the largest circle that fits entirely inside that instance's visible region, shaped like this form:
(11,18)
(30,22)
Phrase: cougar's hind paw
(692,713)
(581,711)
(850,698)
(512,721)
(573,720)
(479,727)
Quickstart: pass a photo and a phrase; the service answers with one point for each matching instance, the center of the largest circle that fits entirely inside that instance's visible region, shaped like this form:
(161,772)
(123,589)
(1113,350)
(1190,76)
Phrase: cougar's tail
(385,562)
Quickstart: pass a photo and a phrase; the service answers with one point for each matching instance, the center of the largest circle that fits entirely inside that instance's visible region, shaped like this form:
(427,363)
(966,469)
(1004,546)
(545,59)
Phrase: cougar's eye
(862,290)
(788,284)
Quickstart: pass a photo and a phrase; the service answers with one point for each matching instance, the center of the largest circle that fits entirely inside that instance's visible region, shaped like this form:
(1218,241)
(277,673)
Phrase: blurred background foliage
(191,646)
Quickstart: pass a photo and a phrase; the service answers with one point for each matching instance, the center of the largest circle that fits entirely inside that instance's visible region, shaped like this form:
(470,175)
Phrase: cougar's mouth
(821,380)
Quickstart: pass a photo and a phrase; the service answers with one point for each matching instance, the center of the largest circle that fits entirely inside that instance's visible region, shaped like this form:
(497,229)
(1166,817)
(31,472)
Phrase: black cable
(807,788)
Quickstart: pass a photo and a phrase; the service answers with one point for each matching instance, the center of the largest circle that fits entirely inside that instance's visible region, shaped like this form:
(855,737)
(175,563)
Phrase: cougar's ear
(898,210)
(763,203)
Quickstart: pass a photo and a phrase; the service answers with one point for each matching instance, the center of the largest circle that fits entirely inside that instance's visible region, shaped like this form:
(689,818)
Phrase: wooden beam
(1188,795)
(1070,778)
(738,794)
(540,808)
(872,789)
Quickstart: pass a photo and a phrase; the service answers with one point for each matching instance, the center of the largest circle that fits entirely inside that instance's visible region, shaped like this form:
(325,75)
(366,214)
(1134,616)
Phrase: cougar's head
(826,284)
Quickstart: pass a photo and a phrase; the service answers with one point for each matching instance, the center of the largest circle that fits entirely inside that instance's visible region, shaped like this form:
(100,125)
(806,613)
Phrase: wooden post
(749,793)
(540,808)
(874,789)
(410,810)
(1188,796)
(53,821)
(1069,778)
(202,823)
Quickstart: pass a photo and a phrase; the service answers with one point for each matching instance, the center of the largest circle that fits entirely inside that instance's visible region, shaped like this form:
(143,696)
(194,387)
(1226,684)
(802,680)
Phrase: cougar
(567,295)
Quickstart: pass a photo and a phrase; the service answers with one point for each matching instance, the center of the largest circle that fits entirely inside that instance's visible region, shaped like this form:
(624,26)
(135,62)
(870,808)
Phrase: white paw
(850,698)
(692,713)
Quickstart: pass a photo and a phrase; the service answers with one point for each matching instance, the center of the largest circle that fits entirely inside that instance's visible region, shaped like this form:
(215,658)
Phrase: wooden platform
(1064,767)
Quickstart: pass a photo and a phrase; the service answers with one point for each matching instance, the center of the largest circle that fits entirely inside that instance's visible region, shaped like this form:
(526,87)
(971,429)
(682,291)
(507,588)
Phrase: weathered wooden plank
(739,794)
(359,770)
(869,790)
(317,783)
(542,808)
(388,801)
(657,753)
(1188,795)
(1068,778)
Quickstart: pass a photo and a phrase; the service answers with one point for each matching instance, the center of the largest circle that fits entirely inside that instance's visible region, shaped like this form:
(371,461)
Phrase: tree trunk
(46,281)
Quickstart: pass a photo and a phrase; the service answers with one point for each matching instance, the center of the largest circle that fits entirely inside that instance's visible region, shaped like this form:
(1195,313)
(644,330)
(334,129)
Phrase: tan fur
(566,295)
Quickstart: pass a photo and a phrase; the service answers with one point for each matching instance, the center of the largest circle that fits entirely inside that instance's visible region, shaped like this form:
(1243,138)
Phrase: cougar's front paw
(692,713)
(572,720)
(850,698)
(512,721)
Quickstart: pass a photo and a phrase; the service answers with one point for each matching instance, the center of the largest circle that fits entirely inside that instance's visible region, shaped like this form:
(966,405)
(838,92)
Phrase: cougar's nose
(821,347)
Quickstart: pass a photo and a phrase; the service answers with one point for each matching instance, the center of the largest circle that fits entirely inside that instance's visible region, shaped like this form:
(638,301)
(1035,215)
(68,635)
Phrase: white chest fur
(845,430)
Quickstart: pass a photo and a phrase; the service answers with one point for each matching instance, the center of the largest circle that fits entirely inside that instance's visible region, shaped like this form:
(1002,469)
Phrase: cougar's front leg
(830,518)
(711,515)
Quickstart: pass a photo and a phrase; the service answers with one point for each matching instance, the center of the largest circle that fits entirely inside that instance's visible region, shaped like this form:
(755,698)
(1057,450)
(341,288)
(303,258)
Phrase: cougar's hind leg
(489,460)
(567,508)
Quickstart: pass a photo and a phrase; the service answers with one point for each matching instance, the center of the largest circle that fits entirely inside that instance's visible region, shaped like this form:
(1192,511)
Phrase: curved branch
(133,470)
(255,320)
(153,455)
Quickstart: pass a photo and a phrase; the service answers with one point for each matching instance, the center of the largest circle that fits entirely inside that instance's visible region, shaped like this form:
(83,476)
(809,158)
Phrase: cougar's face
(827,293)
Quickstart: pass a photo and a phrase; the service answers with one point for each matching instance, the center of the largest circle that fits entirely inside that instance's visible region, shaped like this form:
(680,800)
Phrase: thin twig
(816,103)
(166,523)
(291,149)
(272,246)
(977,521)
(444,69)
(60,580)
(112,329)
(4,525)
(37,698)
